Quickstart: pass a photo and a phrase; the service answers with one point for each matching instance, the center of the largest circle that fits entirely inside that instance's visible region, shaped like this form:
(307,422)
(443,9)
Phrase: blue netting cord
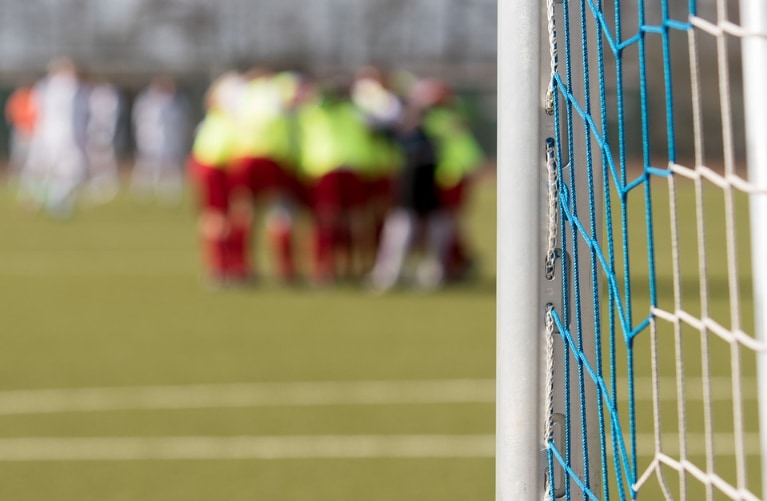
(605,154)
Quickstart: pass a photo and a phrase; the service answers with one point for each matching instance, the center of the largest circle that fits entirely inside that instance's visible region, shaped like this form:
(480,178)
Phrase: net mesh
(652,346)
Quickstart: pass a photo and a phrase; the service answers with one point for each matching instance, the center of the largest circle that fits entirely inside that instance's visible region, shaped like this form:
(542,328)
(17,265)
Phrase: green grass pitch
(113,298)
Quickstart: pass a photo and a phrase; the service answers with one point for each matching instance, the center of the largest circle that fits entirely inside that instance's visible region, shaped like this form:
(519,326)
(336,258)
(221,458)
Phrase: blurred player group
(381,167)
(380,164)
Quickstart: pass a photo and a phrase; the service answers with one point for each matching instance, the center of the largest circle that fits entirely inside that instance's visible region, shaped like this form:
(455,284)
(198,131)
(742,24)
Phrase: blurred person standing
(459,157)
(213,152)
(334,152)
(262,176)
(160,123)
(417,210)
(382,110)
(104,106)
(21,115)
(56,165)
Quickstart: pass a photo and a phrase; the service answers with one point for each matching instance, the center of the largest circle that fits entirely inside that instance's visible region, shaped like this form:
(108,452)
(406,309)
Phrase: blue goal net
(652,206)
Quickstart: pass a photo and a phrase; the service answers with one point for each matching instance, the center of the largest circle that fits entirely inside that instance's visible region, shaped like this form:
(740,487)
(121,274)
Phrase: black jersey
(416,187)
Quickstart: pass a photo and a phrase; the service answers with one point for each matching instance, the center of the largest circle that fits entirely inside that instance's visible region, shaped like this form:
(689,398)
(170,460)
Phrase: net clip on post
(551,287)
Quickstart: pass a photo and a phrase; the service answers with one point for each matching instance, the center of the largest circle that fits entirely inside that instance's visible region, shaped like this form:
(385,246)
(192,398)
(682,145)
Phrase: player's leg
(358,242)
(141,181)
(213,227)
(327,209)
(397,237)
(19,152)
(66,175)
(460,259)
(32,178)
(280,221)
(440,232)
(275,191)
(378,204)
(241,177)
(103,181)
(169,186)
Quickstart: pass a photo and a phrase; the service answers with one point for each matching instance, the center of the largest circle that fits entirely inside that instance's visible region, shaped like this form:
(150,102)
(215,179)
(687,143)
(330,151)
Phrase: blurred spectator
(56,163)
(104,111)
(21,115)
(160,121)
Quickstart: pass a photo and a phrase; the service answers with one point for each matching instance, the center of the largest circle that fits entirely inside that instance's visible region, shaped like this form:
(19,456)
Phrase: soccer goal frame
(528,399)
(754,14)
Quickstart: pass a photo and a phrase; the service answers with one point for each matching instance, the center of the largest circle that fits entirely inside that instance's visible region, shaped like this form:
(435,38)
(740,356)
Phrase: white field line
(247,447)
(305,447)
(249,395)
(95,271)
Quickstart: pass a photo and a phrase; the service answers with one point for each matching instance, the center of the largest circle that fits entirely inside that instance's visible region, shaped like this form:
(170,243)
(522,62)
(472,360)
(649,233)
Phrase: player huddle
(382,171)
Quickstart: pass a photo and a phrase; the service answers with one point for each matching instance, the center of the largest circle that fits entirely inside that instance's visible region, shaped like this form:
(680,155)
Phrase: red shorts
(338,190)
(261,176)
(453,198)
(212,185)
(380,188)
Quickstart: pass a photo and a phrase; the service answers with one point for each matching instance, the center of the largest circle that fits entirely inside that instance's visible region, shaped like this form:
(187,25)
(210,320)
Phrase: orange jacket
(20,110)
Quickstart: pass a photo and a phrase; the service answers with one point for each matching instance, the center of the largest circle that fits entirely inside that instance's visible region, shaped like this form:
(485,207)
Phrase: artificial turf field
(380,397)
(113,298)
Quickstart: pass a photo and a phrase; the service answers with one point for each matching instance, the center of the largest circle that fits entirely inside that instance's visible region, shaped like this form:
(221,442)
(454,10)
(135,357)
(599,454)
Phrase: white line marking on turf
(244,395)
(247,447)
(96,271)
(247,395)
(309,447)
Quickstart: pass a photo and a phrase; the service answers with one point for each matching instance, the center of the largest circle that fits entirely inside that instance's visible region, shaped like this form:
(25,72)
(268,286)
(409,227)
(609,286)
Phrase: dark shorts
(416,189)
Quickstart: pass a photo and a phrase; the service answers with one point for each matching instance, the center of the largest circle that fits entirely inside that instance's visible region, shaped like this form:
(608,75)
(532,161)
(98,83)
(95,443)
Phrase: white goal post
(518,425)
(754,15)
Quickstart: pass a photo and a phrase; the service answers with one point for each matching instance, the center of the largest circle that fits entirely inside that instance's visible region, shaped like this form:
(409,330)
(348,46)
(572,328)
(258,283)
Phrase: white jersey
(104,106)
(56,164)
(61,124)
(160,125)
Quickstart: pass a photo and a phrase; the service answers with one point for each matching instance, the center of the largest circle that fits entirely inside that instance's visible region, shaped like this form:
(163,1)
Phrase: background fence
(129,40)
